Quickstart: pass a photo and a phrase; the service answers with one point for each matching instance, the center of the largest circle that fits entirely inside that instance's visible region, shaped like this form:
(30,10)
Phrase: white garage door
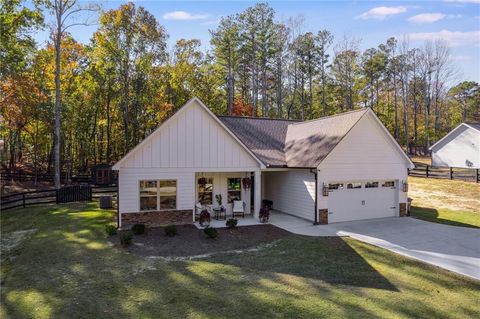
(362,200)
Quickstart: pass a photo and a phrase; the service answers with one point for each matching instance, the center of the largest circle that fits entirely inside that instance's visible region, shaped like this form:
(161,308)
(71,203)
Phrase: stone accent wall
(159,218)
(403,210)
(323,216)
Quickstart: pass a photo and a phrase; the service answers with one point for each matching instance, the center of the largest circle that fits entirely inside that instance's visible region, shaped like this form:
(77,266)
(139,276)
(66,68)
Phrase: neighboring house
(337,168)
(459,148)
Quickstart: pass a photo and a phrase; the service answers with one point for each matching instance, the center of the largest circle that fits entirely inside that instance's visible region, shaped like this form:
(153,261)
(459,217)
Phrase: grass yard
(445,201)
(58,264)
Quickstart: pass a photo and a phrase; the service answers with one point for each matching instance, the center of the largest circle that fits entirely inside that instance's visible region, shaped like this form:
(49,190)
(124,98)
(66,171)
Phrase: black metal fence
(62,195)
(465,174)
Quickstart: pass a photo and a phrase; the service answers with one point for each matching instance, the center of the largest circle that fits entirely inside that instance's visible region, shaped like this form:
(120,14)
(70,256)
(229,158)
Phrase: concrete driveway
(450,247)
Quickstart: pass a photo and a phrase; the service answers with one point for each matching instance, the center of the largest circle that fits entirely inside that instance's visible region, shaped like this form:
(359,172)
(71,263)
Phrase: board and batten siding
(292,192)
(459,149)
(191,141)
(365,154)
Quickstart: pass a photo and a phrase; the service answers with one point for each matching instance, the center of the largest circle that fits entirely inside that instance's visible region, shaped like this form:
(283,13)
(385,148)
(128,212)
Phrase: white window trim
(158,195)
(241,189)
(213,188)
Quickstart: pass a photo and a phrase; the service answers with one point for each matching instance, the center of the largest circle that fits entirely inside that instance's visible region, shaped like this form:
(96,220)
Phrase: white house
(459,148)
(337,168)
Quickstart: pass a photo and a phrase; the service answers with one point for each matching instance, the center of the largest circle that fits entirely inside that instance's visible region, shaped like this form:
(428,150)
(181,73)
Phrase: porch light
(405,186)
(325,190)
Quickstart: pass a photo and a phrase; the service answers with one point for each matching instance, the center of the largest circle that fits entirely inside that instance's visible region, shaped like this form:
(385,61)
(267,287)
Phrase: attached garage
(356,200)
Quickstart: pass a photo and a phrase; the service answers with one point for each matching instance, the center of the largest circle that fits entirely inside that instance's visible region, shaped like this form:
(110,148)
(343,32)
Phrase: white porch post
(258,193)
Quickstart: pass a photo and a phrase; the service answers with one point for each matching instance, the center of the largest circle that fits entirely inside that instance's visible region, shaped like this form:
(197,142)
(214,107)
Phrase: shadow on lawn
(329,259)
(431,214)
(68,270)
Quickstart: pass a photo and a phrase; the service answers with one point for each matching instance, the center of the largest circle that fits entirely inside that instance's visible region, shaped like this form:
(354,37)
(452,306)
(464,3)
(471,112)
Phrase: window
(234,189)
(168,194)
(158,195)
(335,186)
(148,195)
(371,184)
(388,184)
(354,185)
(205,193)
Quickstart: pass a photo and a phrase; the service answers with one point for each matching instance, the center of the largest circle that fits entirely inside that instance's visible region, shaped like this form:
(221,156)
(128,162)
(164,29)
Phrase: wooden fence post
(478,176)
(23,200)
(56,195)
(451,172)
(426,171)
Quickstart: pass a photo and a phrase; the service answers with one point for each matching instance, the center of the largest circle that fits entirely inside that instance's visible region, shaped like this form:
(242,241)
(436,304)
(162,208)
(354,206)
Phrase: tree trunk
(58,46)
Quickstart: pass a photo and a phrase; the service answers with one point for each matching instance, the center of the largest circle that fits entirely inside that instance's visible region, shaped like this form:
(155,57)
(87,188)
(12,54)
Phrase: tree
(135,43)
(226,44)
(323,41)
(16,42)
(345,70)
(467,94)
(63,11)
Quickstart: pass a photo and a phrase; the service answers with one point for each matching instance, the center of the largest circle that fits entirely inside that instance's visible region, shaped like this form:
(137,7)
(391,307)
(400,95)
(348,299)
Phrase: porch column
(257,203)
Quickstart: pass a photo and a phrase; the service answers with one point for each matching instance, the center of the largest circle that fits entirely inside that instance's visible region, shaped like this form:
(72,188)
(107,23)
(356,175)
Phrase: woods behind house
(113,91)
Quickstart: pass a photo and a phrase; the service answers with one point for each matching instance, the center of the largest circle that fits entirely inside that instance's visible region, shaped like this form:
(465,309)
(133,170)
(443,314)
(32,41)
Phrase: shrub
(204,218)
(126,237)
(211,232)
(231,223)
(264,214)
(110,230)
(171,230)
(138,229)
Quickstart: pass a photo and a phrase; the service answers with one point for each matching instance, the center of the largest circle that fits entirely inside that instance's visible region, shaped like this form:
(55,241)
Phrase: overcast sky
(455,21)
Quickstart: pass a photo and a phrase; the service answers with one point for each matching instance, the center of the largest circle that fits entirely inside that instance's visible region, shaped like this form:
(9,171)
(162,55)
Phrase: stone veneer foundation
(403,210)
(323,216)
(158,218)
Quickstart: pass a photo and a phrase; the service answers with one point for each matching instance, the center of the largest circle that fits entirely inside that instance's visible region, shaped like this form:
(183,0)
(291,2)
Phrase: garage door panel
(375,199)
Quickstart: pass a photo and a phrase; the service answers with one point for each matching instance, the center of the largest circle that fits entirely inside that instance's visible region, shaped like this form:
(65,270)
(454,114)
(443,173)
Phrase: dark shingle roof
(264,137)
(286,143)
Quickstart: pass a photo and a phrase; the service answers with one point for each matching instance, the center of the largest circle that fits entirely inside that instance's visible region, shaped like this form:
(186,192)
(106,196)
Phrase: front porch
(247,221)
(214,190)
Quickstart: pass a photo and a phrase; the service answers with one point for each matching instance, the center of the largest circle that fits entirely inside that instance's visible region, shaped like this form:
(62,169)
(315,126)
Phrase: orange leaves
(240,108)
(20,96)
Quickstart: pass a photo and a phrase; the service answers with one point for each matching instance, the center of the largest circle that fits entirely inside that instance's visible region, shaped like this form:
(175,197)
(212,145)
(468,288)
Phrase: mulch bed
(191,241)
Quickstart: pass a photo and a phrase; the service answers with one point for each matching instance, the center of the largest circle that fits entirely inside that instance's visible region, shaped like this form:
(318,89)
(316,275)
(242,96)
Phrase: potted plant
(247,182)
(264,215)
(204,218)
(231,223)
(218,198)
(202,181)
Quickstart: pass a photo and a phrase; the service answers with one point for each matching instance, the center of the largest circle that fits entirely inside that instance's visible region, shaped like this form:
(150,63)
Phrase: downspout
(315,172)
(118,205)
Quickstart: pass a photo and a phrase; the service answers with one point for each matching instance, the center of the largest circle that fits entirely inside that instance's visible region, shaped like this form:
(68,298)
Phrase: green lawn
(445,201)
(65,268)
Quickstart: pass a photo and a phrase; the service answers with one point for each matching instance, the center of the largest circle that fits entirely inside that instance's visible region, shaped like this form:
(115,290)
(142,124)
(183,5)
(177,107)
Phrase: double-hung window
(234,189)
(205,192)
(158,195)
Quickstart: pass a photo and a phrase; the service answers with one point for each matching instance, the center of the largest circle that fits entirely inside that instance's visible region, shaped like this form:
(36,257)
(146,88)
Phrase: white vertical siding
(459,149)
(292,192)
(192,139)
(365,154)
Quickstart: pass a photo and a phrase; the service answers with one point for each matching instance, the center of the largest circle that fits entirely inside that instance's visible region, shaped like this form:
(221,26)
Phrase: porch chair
(238,208)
